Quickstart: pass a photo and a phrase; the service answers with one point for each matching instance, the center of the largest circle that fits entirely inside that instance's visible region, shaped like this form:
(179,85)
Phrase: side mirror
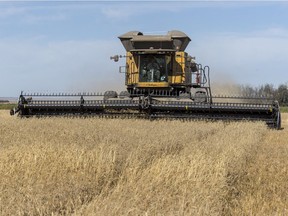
(116,57)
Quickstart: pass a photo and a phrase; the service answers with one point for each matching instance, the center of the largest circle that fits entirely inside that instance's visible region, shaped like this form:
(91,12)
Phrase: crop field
(74,166)
(7,106)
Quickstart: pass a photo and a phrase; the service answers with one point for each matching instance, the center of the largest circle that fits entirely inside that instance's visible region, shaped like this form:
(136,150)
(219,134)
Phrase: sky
(65,46)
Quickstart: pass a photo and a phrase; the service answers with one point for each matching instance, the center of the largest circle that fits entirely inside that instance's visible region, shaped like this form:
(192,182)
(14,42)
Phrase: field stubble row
(134,167)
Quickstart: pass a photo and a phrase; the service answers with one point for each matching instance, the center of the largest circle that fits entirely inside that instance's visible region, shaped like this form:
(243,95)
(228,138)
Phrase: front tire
(110,94)
(200,97)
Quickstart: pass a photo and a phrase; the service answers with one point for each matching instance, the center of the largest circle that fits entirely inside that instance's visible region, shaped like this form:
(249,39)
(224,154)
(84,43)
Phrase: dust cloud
(223,84)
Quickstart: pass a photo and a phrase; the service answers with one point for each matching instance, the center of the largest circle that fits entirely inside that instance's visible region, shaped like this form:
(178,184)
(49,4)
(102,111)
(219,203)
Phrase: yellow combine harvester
(163,81)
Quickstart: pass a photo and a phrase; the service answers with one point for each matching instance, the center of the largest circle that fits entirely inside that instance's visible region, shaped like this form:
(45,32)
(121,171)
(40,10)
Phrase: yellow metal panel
(178,68)
(153,84)
(132,69)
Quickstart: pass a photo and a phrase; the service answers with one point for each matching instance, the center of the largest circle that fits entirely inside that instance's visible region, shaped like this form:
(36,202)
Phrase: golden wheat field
(73,166)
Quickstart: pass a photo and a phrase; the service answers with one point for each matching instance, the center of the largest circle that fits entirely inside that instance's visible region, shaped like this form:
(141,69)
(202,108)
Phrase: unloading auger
(162,81)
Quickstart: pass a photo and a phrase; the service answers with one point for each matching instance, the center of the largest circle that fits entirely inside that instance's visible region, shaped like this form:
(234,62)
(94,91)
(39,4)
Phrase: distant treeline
(280,92)
(4,101)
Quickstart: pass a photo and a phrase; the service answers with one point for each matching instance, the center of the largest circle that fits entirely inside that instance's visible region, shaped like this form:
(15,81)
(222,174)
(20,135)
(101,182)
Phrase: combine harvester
(162,81)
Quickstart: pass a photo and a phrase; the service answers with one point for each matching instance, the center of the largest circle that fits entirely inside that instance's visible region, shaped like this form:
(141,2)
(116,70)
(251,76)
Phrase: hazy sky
(65,46)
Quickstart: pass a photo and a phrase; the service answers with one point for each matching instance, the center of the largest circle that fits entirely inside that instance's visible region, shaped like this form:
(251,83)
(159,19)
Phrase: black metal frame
(150,106)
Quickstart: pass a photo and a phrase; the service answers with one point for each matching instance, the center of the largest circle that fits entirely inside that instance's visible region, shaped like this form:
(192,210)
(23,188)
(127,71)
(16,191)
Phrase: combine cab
(162,81)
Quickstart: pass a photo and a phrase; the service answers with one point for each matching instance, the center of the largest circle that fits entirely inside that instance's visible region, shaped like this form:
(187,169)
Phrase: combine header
(162,81)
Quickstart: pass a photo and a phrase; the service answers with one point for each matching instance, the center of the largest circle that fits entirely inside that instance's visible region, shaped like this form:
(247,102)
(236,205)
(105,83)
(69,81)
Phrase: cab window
(153,68)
